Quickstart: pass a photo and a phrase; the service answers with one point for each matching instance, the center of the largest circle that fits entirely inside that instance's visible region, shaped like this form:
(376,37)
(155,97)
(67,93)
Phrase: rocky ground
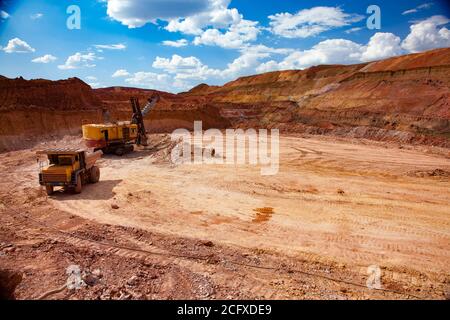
(154,230)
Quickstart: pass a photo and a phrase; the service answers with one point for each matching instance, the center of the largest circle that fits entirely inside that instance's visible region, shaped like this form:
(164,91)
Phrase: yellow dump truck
(119,137)
(68,168)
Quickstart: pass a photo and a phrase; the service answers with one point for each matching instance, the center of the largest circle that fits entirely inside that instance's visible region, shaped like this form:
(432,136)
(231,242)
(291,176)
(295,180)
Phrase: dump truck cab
(68,168)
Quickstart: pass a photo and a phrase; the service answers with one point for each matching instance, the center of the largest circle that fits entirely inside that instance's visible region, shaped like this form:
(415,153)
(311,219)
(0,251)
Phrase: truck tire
(129,148)
(78,186)
(94,174)
(119,151)
(49,189)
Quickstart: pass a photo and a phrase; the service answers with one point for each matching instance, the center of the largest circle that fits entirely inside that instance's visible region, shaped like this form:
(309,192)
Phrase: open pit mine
(358,209)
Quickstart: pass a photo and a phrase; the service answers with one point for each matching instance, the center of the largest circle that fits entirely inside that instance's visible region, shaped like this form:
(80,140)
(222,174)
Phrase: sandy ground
(335,208)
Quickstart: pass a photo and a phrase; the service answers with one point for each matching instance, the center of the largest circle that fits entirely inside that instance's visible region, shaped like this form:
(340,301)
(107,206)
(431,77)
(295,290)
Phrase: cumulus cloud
(149,80)
(120,73)
(338,51)
(218,16)
(185,71)
(177,43)
(136,13)
(326,52)
(428,34)
(17,45)
(418,8)
(119,46)
(382,45)
(210,20)
(79,60)
(236,36)
(44,59)
(310,22)
(268,66)
(185,68)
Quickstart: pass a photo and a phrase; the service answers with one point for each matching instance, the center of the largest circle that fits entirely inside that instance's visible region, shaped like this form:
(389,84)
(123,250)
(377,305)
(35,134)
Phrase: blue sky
(173,45)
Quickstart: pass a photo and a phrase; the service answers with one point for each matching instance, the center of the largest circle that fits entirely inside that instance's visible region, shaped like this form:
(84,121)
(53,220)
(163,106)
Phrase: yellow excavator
(118,137)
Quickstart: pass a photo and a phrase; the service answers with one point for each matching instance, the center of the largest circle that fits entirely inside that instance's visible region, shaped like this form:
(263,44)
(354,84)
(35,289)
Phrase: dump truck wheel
(119,151)
(129,148)
(94,174)
(49,189)
(78,185)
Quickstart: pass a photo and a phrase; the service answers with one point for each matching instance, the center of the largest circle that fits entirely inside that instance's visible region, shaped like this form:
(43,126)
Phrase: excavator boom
(138,117)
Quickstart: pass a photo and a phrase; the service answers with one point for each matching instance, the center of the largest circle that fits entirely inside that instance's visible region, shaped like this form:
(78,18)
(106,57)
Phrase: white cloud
(250,59)
(120,73)
(217,16)
(94,84)
(36,16)
(136,13)
(310,22)
(268,66)
(236,36)
(119,46)
(149,80)
(185,68)
(326,52)
(210,20)
(44,59)
(19,46)
(418,8)
(428,34)
(79,60)
(338,51)
(177,43)
(382,45)
(352,30)
(244,64)
(4,15)
(91,78)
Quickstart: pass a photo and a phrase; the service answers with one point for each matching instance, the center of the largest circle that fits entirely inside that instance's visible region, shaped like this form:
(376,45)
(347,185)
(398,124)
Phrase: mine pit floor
(154,230)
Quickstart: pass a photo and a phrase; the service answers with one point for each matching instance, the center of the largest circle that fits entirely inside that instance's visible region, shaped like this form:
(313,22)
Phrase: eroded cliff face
(171,112)
(32,110)
(70,94)
(404,99)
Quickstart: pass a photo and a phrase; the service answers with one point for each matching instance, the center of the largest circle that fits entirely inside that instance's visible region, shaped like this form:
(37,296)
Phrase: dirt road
(335,208)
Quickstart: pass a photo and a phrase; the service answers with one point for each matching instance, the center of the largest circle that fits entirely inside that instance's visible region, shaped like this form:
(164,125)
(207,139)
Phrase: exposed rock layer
(404,99)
